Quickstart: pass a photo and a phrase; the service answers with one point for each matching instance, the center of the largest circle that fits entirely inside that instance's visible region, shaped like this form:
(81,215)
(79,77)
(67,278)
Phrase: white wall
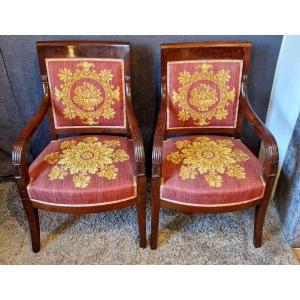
(284,105)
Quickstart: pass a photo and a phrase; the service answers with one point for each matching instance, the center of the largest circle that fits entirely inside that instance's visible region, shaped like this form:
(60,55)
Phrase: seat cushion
(84,171)
(209,170)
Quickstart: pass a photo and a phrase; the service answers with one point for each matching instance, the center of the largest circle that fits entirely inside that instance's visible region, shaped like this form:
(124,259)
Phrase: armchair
(86,92)
(199,163)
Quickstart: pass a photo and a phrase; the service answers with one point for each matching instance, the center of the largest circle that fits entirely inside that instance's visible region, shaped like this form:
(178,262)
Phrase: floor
(111,238)
(297,252)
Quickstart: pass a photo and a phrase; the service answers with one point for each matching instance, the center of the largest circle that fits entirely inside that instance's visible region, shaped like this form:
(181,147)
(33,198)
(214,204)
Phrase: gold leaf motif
(58,94)
(85,158)
(205,101)
(87,97)
(183,115)
(175,157)
(108,113)
(221,114)
(204,68)
(186,172)
(85,66)
(109,173)
(210,158)
(214,181)
(120,155)
(57,173)
(70,113)
(81,181)
(116,94)
(67,144)
(52,158)
(64,74)
(106,75)
(112,143)
(184,77)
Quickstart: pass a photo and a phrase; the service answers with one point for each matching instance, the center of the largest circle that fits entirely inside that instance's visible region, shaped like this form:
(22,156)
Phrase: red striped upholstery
(203,93)
(87,92)
(209,170)
(84,171)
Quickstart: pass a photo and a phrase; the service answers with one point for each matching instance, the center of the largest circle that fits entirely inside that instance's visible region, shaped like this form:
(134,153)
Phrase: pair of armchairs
(199,164)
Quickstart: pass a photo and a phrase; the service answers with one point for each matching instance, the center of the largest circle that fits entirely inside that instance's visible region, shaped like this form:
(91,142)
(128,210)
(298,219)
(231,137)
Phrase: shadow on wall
(288,190)
(23,80)
(143,92)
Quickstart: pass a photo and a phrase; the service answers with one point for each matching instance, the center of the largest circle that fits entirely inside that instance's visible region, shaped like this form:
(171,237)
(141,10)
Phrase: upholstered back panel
(87,92)
(203,93)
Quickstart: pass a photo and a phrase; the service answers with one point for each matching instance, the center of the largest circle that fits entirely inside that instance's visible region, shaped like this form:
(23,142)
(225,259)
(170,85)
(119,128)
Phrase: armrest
(137,139)
(270,164)
(19,149)
(159,137)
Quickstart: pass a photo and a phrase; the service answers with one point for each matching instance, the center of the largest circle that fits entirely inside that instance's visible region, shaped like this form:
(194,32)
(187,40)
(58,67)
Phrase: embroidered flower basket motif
(210,158)
(85,158)
(203,94)
(86,93)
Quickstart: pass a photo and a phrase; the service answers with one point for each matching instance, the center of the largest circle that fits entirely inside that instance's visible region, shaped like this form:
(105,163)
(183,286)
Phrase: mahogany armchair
(199,164)
(86,92)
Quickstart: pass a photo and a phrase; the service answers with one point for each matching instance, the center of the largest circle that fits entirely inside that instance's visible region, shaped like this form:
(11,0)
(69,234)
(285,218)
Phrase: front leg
(141,209)
(155,207)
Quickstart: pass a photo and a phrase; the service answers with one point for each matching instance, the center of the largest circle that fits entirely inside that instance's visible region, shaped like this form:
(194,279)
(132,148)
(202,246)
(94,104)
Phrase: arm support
(270,164)
(19,151)
(138,145)
(159,137)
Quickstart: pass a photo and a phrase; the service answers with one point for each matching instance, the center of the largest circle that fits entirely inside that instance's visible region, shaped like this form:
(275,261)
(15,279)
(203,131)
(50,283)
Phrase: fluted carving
(19,151)
(134,133)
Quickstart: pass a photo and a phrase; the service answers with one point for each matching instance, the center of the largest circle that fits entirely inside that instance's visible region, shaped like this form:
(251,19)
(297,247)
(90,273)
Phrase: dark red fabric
(87,116)
(198,192)
(99,190)
(176,68)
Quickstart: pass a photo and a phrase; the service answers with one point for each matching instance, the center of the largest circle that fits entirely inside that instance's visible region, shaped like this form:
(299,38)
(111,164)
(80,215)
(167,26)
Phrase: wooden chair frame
(212,50)
(80,49)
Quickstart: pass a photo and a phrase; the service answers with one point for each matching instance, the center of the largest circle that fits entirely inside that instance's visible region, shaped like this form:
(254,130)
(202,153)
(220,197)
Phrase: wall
(9,120)
(283,120)
(287,194)
(22,70)
(285,97)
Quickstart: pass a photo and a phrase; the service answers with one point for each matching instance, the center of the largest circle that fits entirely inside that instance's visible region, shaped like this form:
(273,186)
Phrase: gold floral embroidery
(203,97)
(204,101)
(208,157)
(87,93)
(85,158)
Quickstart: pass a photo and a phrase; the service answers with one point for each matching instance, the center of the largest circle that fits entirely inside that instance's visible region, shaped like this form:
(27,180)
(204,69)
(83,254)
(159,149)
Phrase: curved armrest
(19,150)
(159,137)
(137,139)
(270,163)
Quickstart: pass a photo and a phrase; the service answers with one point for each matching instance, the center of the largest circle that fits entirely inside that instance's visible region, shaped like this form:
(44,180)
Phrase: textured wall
(21,63)
(8,114)
(287,194)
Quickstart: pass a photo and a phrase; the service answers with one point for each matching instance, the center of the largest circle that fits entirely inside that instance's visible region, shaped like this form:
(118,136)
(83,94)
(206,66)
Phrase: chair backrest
(87,85)
(201,83)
